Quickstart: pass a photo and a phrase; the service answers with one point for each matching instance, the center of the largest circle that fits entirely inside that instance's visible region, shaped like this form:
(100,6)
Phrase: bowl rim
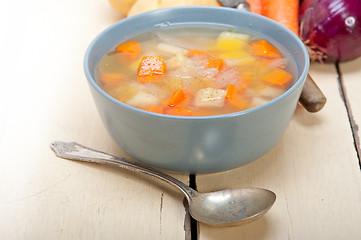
(294,37)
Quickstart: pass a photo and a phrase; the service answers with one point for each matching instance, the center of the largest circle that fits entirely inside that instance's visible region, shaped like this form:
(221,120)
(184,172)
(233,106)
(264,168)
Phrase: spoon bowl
(225,207)
(231,206)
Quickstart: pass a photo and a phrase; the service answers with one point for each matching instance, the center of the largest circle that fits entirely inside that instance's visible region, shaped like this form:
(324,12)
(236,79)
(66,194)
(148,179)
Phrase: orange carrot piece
(179,112)
(155,109)
(215,63)
(284,12)
(132,47)
(196,52)
(150,79)
(262,48)
(238,102)
(110,79)
(255,6)
(151,69)
(277,77)
(177,97)
(231,92)
(151,65)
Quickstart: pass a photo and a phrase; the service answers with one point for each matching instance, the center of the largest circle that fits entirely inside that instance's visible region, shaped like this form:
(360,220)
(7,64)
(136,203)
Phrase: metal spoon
(232,206)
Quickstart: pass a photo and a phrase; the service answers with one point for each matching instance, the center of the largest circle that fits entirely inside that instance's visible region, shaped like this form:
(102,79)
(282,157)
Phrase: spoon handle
(75,151)
(312,98)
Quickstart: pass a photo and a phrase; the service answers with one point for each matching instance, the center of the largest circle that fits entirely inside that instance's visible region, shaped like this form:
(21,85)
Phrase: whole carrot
(255,6)
(284,12)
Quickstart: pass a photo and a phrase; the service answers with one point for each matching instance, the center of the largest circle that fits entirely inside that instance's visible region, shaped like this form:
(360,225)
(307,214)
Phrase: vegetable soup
(195,71)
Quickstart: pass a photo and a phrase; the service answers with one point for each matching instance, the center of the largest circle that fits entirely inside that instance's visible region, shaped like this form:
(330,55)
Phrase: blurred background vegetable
(122,6)
(331,29)
(147,5)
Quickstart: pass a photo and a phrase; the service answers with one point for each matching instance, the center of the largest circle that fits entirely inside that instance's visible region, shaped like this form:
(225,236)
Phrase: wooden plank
(313,170)
(351,75)
(46,98)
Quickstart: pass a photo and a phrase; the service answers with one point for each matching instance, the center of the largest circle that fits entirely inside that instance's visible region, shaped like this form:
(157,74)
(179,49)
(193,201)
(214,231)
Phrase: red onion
(331,29)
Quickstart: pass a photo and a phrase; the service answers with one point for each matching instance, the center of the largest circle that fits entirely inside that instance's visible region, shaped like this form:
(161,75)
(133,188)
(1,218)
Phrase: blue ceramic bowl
(197,144)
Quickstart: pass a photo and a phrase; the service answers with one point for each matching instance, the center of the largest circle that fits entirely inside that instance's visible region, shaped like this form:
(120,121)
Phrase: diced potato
(143,99)
(258,101)
(230,45)
(171,49)
(135,65)
(176,61)
(271,92)
(228,34)
(210,97)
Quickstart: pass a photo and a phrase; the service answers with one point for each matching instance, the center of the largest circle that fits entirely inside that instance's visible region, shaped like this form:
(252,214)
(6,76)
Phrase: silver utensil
(226,207)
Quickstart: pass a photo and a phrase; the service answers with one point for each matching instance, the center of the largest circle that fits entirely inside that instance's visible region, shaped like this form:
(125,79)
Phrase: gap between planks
(353,124)
(190,224)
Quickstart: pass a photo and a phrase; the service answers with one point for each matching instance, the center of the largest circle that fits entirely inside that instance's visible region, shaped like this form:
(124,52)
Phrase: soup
(195,71)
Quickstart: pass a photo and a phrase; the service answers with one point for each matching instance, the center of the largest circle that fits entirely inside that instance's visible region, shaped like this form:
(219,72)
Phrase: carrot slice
(262,48)
(215,63)
(196,52)
(231,92)
(150,79)
(151,65)
(284,12)
(155,109)
(132,47)
(277,77)
(177,97)
(238,102)
(110,79)
(150,68)
(179,112)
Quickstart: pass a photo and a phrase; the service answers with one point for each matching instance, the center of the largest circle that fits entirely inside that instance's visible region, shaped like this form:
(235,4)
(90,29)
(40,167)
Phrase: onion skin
(331,29)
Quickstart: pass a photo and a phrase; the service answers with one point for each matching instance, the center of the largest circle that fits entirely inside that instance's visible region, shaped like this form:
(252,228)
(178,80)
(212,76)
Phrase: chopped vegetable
(277,77)
(196,52)
(170,49)
(111,79)
(334,35)
(156,109)
(143,99)
(150,79)
(131,47)
(175,61)
(215,63)
(177,97)
(231,92)
(179,112)
(233,35)
(262,48)
(230,43)
(151,68)
(229,46)
(210,97)
(238,102)
(284,12)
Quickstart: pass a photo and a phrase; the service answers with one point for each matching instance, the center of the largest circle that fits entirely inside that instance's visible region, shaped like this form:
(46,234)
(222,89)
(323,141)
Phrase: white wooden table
(314,169)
